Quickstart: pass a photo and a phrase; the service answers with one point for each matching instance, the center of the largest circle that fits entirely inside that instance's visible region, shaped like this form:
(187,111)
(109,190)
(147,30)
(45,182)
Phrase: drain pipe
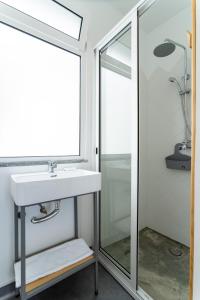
(36,220)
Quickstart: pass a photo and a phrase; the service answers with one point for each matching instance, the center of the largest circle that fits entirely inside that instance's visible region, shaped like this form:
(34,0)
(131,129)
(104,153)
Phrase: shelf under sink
(54,264)
(56,275)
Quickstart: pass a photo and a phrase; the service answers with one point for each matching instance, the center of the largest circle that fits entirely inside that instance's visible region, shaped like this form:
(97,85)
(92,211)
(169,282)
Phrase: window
(39,97)
(52,13)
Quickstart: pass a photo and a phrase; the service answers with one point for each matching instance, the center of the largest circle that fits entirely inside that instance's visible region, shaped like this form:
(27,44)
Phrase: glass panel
(39,97)
(51,13)
(164,183)
(115,146)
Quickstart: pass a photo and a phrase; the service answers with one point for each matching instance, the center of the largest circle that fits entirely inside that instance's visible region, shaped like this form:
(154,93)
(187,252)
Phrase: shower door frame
(131,285)
(128,281)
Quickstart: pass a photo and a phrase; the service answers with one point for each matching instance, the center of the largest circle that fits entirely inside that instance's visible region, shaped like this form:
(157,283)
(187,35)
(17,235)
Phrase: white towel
(52,260)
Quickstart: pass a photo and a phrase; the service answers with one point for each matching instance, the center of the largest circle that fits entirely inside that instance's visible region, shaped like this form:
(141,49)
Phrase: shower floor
(160,274)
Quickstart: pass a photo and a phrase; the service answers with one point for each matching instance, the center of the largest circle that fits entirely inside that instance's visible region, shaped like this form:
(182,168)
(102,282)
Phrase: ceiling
(160,12)
(112,11)
(100,15)
(124,6)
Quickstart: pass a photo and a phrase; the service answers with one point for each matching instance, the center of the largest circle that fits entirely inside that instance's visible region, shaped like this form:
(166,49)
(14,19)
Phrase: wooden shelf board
(39,282)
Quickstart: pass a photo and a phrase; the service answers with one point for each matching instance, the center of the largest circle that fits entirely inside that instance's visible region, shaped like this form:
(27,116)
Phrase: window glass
(39,97)
(51,13)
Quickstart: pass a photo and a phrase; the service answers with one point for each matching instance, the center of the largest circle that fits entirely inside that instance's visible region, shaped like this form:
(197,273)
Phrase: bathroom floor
(162,275)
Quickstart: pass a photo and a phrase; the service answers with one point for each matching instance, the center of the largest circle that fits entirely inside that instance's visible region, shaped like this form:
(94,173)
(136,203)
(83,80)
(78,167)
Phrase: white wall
(164,193)
(62,226)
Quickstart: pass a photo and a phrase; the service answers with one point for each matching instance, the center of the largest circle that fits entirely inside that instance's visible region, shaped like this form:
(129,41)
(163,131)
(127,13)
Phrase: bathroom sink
(32,188)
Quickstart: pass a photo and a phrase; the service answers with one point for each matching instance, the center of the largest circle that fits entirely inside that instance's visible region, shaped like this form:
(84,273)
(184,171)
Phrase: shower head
(168,48)
(164,49)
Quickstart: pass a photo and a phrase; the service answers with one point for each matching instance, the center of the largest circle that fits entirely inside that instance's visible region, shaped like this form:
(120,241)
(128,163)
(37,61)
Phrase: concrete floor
(80,286)
(162,275)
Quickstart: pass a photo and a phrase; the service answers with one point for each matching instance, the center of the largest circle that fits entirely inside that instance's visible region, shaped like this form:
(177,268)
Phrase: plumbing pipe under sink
(36,220)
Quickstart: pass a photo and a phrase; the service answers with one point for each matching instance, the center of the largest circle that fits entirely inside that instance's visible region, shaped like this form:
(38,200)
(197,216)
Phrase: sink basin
(33,188)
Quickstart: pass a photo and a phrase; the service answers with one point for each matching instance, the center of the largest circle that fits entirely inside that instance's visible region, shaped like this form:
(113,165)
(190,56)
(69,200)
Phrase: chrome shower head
(167,48)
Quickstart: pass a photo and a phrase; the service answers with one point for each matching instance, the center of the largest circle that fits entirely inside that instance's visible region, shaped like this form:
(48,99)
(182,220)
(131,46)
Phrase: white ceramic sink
(32,188)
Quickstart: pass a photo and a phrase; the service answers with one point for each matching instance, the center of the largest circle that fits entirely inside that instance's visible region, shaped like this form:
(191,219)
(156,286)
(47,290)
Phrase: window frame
(81,24)
(16,19)
(64,7)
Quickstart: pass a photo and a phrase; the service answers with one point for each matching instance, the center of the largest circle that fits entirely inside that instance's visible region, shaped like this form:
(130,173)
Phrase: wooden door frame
(192,202)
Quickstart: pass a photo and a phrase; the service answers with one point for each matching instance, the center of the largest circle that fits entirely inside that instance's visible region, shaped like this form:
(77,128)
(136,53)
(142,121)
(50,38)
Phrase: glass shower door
(118,150)
(115,162)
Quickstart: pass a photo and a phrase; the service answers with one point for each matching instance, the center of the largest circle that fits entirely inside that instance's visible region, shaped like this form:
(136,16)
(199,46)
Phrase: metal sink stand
(20,213)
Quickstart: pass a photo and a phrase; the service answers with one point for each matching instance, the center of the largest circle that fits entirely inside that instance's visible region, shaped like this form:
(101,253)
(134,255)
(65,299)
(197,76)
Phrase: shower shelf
(178,161)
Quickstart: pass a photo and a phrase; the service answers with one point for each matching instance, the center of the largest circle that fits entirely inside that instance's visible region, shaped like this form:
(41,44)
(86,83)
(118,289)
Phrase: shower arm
(185,79)
(185,60)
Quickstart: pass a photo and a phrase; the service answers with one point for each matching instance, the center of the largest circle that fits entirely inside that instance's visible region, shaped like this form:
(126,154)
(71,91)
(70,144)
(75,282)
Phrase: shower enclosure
(141,118)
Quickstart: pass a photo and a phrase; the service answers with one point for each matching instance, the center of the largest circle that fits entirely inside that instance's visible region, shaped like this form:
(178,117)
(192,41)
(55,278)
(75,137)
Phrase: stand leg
(76,217)
(96,280)
(96,241)
(23,254)
(16,231)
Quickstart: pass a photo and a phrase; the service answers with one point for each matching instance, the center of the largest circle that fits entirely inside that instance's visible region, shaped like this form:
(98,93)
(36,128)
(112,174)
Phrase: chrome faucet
(52,165)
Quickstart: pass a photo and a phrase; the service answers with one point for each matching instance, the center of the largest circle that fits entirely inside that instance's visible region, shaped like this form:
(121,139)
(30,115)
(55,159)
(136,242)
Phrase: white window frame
(59,5)
(27,24)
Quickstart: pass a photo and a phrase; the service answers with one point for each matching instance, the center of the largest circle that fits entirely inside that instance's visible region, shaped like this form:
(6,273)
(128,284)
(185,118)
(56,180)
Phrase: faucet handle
(52,163)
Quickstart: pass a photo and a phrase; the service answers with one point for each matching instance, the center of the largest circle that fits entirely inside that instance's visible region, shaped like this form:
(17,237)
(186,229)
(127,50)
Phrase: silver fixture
(180,90)
(163,50)
(43,209)
(36,220)
(183,94)
(185,77)
(52,166)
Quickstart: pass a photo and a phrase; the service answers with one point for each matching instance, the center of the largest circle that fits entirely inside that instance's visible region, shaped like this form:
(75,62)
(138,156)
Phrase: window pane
(51,13)
(39,97)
